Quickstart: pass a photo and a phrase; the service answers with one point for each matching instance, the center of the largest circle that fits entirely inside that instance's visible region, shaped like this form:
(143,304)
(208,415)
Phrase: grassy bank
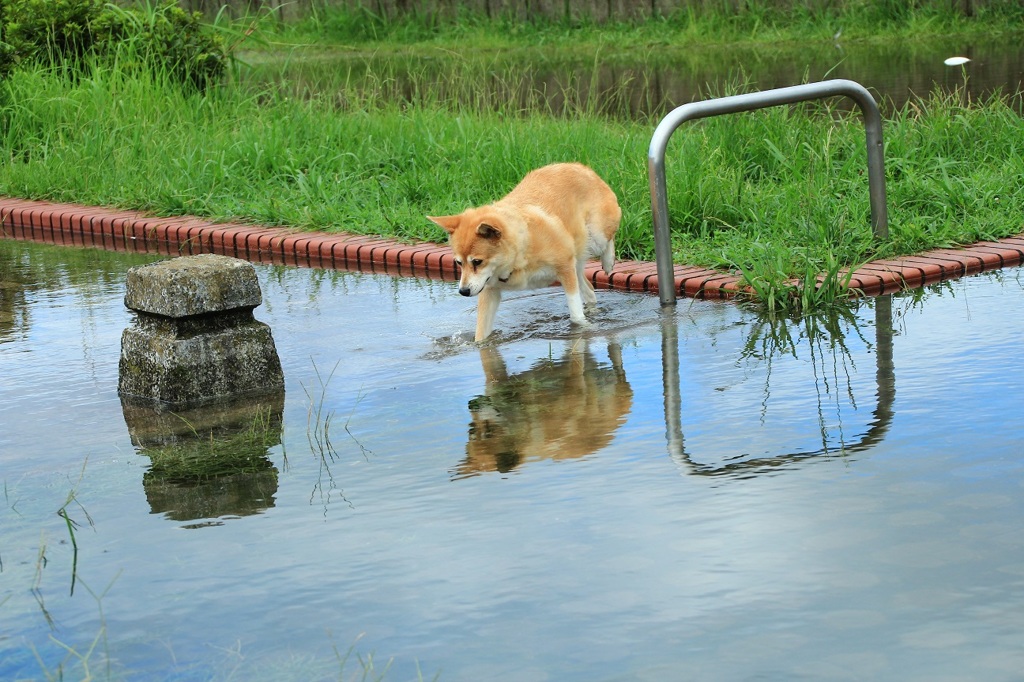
(778,194)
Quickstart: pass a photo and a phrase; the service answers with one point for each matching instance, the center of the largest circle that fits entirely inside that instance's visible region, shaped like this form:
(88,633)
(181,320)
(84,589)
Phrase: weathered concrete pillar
(195,340)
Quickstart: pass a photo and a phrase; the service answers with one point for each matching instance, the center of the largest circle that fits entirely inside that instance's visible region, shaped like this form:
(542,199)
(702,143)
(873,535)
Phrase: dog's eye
(458,262)
(476,262)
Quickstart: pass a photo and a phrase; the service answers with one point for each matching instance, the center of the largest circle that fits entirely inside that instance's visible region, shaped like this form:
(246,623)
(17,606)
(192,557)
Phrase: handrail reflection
(882,415)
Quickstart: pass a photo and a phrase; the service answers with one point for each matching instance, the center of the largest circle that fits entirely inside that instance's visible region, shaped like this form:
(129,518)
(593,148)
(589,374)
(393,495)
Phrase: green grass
(777,194)
(354,163)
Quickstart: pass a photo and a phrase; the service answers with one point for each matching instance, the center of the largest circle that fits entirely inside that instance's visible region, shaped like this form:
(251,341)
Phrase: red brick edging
(135,231)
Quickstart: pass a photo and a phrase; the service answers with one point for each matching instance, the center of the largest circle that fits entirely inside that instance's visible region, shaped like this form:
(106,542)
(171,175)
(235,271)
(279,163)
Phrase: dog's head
(476,238)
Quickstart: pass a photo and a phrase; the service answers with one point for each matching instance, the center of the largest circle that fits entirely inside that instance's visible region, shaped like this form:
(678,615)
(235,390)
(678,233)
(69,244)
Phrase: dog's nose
(464,291)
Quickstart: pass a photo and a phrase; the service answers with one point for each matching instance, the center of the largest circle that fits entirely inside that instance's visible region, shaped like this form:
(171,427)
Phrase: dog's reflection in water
(560,408)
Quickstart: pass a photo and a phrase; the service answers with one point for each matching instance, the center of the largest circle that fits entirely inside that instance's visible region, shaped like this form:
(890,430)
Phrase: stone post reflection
(211,462)
(562,407)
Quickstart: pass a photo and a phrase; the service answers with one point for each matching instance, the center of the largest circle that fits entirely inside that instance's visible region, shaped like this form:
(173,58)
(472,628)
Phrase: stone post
(195,340)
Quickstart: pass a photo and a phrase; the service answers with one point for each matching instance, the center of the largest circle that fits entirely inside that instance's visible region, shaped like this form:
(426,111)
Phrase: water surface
(699,494)
(644,83)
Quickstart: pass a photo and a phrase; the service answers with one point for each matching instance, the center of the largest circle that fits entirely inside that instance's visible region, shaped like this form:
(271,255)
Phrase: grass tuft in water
(79,663)
(319,421)
(73,525)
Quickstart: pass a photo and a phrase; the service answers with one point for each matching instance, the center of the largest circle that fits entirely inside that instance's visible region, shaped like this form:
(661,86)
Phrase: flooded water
(695,494)
(649,84)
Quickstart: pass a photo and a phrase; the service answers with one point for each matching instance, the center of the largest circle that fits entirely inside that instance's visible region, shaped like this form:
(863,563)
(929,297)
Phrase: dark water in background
(634,85)
(699,494)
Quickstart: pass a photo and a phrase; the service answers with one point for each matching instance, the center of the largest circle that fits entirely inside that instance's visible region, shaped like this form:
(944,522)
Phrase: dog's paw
(580,321)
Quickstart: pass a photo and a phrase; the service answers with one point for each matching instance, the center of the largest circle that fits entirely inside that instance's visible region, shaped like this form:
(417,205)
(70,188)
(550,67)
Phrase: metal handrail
(750,102)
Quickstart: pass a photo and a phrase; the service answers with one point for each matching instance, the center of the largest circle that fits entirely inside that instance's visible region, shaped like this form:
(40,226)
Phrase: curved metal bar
(750,102)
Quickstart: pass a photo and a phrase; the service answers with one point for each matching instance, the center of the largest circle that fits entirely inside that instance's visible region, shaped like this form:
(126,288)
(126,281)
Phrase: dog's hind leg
(486,308)
(608,256)
(586,287)
(570,280)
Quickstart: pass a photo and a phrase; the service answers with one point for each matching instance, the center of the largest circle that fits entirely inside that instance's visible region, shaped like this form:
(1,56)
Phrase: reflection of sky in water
(903,561)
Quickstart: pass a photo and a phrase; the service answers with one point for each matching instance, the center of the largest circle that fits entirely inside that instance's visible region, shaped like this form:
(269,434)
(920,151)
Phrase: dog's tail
(608,256)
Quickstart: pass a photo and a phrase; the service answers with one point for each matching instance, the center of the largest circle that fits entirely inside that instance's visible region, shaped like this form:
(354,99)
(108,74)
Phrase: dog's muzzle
(465,291)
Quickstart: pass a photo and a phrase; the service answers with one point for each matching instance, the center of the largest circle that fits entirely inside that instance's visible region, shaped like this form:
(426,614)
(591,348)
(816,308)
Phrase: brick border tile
(76,225)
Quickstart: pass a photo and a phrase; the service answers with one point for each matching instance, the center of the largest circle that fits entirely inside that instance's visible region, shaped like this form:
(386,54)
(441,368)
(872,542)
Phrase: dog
(543,231)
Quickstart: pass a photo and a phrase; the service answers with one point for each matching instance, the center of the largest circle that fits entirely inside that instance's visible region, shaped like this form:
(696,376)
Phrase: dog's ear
(488,231)
(450,223)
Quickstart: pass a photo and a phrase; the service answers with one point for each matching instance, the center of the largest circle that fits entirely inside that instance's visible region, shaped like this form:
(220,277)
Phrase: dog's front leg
(486,308)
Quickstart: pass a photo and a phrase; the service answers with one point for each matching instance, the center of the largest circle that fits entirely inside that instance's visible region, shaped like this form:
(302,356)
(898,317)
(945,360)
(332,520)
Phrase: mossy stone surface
(195,340)
(192,285)
(198,368)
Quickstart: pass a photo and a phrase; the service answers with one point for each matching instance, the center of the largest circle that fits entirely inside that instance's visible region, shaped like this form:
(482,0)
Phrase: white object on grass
(956,61)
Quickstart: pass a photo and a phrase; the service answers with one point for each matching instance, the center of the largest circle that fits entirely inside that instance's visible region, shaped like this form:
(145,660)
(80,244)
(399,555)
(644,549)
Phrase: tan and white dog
(543,231)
